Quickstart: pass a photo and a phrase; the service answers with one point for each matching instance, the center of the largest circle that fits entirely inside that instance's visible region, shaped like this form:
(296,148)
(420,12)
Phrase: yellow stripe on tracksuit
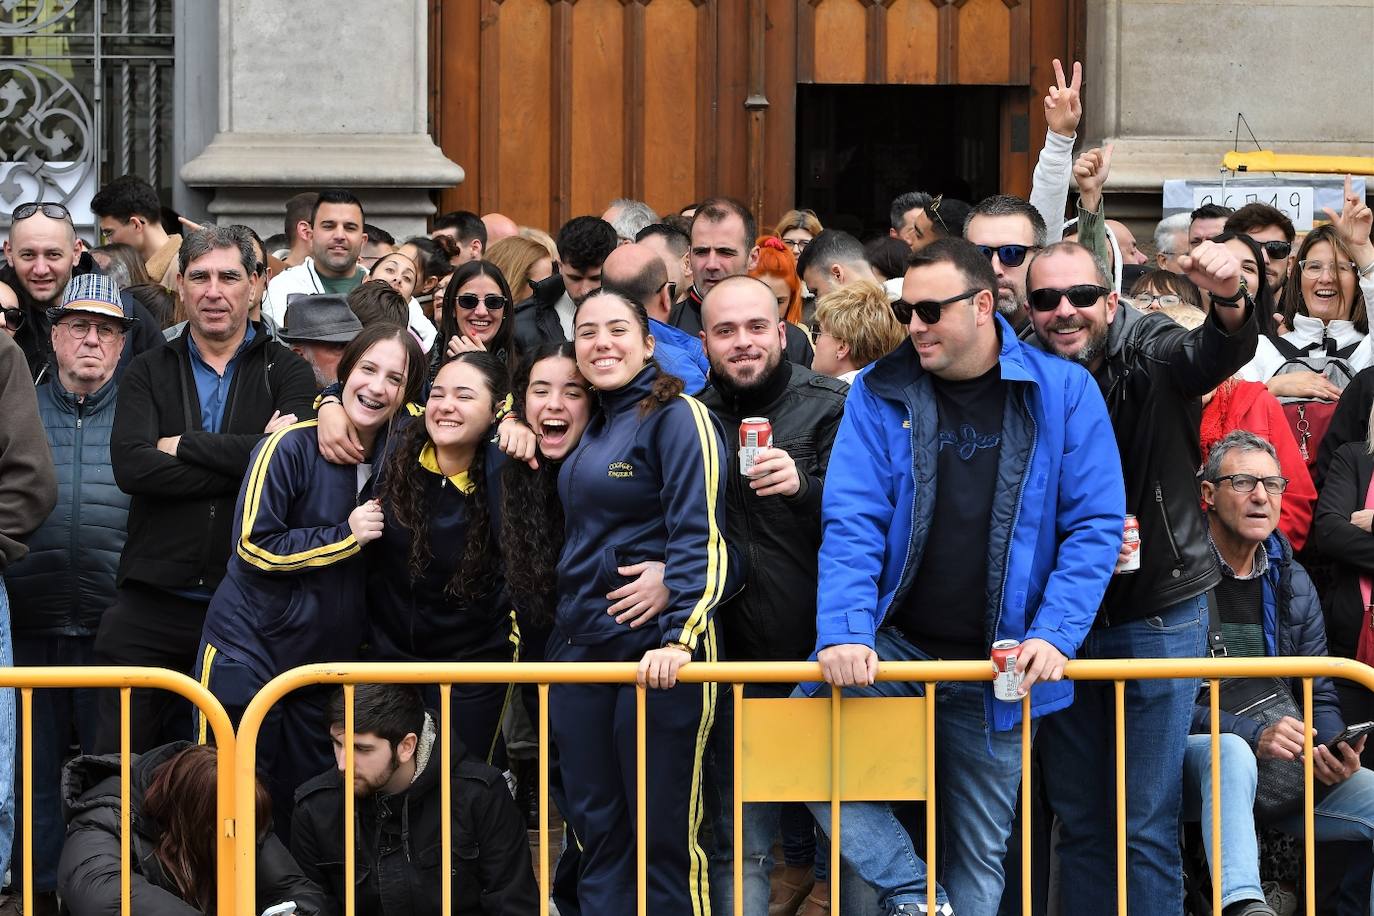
(699,876)
(202,723)
(717,562)
(264,559)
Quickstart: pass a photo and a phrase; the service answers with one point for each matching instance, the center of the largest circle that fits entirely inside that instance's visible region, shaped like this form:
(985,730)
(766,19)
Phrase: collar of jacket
(890,376)
(90,402)
(759,400)
(429,460)
(631,393)
(180,337)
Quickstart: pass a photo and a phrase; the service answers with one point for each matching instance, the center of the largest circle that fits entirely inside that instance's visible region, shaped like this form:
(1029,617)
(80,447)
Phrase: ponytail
(665,388)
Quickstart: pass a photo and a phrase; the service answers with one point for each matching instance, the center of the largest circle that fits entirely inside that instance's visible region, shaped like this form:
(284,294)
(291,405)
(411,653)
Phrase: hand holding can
(1128,561)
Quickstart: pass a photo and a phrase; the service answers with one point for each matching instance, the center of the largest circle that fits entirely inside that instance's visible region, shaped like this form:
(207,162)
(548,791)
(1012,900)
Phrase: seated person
(396,772)
(173,792)
(1267,606)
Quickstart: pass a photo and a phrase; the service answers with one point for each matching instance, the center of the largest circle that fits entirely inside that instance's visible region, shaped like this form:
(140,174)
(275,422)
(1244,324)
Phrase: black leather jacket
(774,617)
(536,318)
(1152,378)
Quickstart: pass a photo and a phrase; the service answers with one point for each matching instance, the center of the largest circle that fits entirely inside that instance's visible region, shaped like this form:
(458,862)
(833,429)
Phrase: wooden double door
(555,107)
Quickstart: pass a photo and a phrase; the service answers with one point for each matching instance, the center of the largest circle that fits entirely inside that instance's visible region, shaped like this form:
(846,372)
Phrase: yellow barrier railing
(845,738)
(125,680)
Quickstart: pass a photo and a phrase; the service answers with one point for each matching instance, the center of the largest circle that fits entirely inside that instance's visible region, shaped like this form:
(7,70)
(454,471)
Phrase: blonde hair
(515,256)
(542,237)
(798,219)
(860,315)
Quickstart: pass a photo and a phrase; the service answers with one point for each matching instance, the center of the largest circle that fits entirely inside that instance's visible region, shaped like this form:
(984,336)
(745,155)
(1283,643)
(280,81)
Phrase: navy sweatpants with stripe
(594,727)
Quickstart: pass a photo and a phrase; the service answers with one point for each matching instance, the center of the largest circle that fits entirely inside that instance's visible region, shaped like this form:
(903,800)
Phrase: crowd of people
(230,456)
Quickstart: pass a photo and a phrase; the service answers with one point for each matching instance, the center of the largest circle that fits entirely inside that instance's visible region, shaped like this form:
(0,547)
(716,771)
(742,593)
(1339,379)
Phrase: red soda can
(1130,542)
(1007,685)
(755,433)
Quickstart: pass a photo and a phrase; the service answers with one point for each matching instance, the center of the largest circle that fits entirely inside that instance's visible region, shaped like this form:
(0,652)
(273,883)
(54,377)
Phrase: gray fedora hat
(319,318)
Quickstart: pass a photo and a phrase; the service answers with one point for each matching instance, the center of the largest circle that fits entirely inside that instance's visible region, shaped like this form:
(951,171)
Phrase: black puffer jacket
(1152,378)
(397,868)
(536,318)
(88,874)
(65,583)
(35,337)
(183,507)
(774,617)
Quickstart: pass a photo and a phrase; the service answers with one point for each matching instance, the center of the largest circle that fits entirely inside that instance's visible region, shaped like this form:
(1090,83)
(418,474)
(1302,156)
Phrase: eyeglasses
(1009,255)
(50,210)
(933,212)
(1277,249)
(1080,296)
(80,328)
(797,245)
(14,318)
(492,301)
(1146,301)
(1311,268)
(928,310)
(1245,483)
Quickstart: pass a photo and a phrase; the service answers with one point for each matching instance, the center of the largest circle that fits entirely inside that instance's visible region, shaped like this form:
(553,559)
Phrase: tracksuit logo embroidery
(968,441)
(620,469)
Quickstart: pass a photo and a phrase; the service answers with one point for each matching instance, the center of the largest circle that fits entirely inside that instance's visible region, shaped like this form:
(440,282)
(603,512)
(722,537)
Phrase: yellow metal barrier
(1269,161)
(852,725)
(125,680)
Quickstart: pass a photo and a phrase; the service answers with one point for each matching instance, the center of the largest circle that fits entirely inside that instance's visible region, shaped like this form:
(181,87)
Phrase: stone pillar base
(253,175)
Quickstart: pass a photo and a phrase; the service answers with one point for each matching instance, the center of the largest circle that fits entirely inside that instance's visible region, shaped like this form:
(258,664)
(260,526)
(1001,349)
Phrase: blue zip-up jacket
(680,354)
(640,488)
(294,590)
(1057,517)
(66,582)
(1293,625)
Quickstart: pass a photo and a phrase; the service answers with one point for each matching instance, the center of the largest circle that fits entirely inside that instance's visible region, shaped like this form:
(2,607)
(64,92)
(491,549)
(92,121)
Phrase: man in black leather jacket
(1152,373)
(774,517)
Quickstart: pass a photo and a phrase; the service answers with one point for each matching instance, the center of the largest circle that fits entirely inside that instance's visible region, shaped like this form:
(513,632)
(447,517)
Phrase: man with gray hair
(1171,240)
(1151,372)
(628,217)
(1265,605)
(189,416)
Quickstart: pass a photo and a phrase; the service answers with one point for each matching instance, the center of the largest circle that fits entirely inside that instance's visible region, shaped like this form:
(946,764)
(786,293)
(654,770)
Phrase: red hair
(776,260)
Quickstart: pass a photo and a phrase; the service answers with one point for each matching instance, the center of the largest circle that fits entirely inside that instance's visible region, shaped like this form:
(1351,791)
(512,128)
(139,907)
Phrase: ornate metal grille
(85,96)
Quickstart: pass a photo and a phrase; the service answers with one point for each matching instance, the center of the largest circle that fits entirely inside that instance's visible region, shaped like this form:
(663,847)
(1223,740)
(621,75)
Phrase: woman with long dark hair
(645,482)
(476,313)
(173,864)
(436,591)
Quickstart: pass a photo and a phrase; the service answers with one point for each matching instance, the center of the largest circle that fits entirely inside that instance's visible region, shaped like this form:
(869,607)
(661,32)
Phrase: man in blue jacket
(1266,606)
(980,499)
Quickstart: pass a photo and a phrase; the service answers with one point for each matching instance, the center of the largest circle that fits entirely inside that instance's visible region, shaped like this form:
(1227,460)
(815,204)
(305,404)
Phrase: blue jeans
(1344,813)
(8,732)
(59,716)
(980,771)
(1078,751)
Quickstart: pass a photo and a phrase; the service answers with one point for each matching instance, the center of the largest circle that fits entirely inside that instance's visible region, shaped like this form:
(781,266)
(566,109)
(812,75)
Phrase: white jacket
(303,278)
(1306,332)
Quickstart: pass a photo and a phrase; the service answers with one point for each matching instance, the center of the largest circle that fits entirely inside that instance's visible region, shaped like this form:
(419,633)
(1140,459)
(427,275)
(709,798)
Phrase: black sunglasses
(1009,255)
(1277,250)
(50,210)
(14,318)
(493,301)
(1080,296)
(928,310)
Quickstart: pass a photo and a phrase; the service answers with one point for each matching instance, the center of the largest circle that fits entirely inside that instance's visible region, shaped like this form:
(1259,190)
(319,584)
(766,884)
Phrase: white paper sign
(1294,201)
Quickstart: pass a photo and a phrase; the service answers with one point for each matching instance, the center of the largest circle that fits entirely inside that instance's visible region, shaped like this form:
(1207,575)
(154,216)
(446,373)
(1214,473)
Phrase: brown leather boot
(789,887)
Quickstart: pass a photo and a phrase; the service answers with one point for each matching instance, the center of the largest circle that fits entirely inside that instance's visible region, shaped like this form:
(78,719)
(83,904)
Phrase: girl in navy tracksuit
(435,590)
(293,591)
(647,481)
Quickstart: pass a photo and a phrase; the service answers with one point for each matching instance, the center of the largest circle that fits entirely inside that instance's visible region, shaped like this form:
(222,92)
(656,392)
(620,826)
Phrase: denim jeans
(980,773)
(1344,813)
(1077,748)
(8,734)
(60,715)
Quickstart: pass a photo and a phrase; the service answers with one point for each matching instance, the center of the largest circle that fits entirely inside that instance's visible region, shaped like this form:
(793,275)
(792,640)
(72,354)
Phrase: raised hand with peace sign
(1064,106)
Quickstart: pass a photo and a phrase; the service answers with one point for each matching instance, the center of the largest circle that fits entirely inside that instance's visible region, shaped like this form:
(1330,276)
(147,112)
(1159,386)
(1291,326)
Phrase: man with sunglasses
(1007,230)
(1151,371)
(975,495)
(1275,234)
(43,254)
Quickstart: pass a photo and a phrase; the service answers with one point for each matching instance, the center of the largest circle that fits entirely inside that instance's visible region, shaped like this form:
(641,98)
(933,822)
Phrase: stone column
(316,94)
(1166,78)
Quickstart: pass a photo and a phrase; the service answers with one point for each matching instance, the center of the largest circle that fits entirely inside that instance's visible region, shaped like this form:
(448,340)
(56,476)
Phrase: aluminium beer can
(1007,685)
(755,433)
(1130,542)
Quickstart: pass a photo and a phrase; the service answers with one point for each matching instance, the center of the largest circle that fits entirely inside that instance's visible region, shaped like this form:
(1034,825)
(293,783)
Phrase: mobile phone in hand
(1350,736)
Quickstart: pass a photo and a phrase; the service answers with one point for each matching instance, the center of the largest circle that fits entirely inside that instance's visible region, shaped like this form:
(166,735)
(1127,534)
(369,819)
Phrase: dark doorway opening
(858,147)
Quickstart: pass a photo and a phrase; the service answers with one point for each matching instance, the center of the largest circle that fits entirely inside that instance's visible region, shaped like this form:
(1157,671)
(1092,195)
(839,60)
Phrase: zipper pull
(1159,493)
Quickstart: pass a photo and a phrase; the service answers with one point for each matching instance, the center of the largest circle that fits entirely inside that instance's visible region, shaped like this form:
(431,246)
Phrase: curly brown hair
(405,495)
